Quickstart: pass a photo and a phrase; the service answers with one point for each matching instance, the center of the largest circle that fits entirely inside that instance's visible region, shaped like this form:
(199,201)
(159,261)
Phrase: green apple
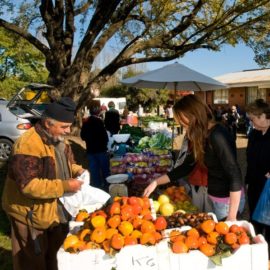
(166,209)
(156,205)
(163,198)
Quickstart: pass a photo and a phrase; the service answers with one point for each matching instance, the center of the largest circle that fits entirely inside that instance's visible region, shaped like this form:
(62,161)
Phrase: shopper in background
(231,120)
(93,132)
(258,158)
(112,119)
(41,169)
(210,145)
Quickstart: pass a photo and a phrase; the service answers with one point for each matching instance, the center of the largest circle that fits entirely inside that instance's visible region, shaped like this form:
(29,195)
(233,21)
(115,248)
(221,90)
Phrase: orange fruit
(234,228)
(158,236)
(207,249)
(208,226)
(133,200)
(114,221)
(147,226)
(125,228)
(98,212)
(179,247)
(110,232)
(117,241)
(137,209)
(146,203)
(192,242)
(137,222)
(230,238)
(82,215)
(129,241)
(148,238)
(202,240)
(136,234)
(222,227)
(84,235)
(193,232)
(212,238)
(180,237)
(92,245)
(126,212)
(106,245)
(115,208)
(70,241)
(98,235)
(160,223)
(243,239)
(173,234)
(98,221)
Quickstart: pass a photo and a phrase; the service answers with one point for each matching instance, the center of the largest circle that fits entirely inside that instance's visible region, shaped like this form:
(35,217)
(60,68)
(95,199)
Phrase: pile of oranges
(126,221)
(211,238)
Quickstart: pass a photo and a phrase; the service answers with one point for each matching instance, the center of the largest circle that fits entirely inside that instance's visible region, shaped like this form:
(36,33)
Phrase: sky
(229,59)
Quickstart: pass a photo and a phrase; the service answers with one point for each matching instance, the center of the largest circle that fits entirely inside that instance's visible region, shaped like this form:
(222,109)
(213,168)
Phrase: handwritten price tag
(137,257)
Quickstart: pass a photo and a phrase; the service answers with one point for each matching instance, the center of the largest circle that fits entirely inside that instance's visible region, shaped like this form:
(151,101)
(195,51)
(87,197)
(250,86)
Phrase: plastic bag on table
(261,213)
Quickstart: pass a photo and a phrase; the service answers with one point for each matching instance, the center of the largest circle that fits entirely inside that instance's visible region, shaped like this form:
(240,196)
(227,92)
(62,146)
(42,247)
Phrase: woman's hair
(258,107)
(199,115)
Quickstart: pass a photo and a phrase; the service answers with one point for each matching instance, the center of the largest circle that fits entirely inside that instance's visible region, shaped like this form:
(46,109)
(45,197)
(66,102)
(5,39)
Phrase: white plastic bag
(89,198)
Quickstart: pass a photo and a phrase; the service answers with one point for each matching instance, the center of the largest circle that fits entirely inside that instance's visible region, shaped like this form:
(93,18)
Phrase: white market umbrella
(174,77)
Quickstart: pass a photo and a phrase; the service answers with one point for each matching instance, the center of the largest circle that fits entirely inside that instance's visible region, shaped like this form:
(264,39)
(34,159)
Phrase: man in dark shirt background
(112,119)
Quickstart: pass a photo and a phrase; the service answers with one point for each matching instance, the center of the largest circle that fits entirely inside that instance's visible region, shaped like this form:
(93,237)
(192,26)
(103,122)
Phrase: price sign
(137,257)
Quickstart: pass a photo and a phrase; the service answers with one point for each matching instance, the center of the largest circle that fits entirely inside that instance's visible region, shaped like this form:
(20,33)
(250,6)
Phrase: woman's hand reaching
(150,188)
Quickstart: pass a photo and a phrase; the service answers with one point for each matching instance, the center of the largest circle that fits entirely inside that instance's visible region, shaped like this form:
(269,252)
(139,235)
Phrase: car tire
(5,149)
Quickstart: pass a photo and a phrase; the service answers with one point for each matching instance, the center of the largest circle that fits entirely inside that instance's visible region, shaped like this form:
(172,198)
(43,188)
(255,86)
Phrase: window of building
(255,93)
(221,96)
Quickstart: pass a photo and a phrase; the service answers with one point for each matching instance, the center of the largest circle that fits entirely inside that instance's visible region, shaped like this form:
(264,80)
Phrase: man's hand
(74,185)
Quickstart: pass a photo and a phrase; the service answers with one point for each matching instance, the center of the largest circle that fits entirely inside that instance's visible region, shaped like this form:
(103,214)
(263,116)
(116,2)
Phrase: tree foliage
(72,34)
(20,62)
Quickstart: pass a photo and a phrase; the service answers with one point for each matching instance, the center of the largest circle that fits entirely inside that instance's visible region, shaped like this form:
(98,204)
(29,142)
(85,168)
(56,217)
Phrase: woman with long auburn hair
(209,145)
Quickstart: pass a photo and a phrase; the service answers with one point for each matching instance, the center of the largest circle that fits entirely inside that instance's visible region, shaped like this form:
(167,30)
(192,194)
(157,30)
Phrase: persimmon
(70,241)
(230,238)
(98,235)
(115,208)
(117,241)
(208,226)
(147,226)
(129,240)
(100,213)
(84,235)
(106,245)
(148,238)
(114,221)
(82,215)
(179,247)
(136,209)
(126,212)
(173,234)
(79,246)
(208,249)
(98,221)
(193,232)
(92,245)
(202,240)
(157,236)
(160,223)
(180,237)
(234,228)
(192,242)
(110,232)
(146,203)
(212,237)
(243,239)
(136,234)
(222,227)
(137,222)
(125,228)
(133,200)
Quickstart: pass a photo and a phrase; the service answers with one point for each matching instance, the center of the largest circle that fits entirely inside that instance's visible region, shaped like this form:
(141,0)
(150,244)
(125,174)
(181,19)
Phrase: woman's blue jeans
(99,166)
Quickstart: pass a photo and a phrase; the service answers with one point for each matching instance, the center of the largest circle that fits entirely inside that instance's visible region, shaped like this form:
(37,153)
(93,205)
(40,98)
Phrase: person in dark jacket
(95,135)
(112,119)
(210,146)
(258,158)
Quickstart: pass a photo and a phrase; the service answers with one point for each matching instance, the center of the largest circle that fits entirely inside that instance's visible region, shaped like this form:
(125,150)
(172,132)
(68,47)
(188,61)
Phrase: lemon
(163,199)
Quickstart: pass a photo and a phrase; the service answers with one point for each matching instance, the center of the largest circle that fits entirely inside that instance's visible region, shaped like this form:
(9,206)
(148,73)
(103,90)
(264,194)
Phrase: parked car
(20,113)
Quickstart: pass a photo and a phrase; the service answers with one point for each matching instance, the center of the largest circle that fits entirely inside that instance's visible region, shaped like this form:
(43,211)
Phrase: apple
(166,209)
(156,205)
(163,198)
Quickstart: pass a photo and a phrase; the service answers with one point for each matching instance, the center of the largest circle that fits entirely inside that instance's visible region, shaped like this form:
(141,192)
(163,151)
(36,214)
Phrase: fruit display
(213,239)
(126,221)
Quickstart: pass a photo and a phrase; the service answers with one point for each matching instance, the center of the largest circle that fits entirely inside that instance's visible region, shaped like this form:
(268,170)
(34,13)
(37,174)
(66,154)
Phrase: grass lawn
(5,244)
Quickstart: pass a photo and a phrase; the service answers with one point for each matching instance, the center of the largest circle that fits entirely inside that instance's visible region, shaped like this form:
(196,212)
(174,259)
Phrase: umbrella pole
(174,97)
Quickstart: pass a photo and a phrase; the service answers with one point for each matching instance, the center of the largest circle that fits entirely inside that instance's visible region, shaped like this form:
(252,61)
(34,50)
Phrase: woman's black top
(224,174)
